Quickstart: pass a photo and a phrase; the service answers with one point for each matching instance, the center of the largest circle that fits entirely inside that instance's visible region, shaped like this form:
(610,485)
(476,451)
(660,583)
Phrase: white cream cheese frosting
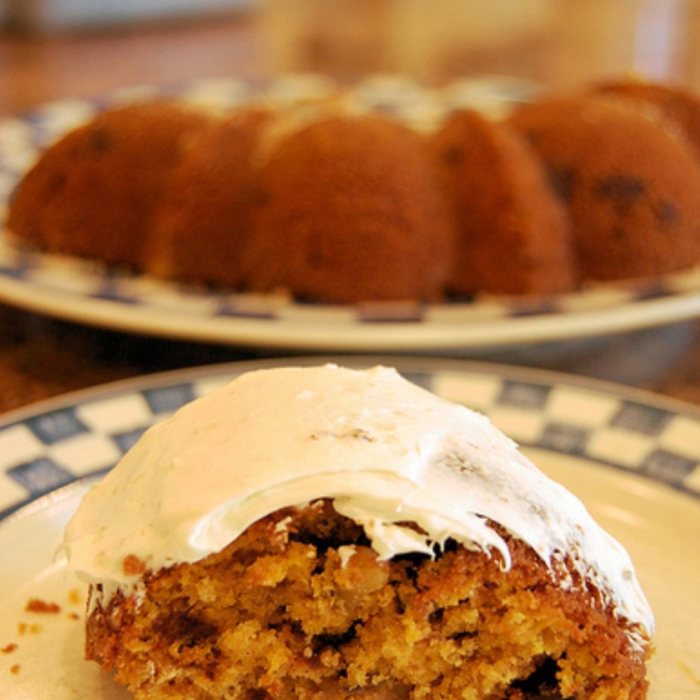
(387,451)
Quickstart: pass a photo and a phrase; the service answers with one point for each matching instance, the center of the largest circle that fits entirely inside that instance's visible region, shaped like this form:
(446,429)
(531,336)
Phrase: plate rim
(403,363)
(419,363)
(372,336)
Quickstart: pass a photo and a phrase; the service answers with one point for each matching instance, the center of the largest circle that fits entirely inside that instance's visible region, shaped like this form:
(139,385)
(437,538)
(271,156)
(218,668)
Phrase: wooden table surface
(41,357)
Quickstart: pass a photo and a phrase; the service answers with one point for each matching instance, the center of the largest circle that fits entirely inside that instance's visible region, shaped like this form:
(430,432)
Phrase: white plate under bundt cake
(330,533)
(351,206)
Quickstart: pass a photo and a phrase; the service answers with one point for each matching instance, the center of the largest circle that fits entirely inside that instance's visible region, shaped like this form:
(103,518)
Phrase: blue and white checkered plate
(633,458)
(88,293)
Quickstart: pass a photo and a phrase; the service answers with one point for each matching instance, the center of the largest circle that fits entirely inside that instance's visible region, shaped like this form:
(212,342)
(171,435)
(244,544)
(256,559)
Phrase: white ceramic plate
(634,459)
(87,293)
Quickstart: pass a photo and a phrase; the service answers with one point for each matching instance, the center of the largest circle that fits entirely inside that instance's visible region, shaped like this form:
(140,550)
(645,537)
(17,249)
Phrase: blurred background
(63,49)
(83,47)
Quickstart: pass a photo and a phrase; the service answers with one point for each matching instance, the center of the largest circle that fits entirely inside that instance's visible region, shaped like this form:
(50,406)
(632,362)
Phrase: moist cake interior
(300,607)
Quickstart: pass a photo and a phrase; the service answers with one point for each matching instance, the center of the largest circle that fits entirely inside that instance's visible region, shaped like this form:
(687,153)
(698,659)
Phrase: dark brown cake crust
(629,179)
(512,234)
(93,193)
(351,212)
(202,228)
(299,607)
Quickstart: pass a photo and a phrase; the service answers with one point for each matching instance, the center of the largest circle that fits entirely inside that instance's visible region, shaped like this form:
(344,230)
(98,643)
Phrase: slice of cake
(512,235)
(350,211)
(329,533)
(629,178)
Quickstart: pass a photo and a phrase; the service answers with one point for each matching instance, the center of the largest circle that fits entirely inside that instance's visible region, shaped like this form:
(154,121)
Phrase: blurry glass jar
(556,42)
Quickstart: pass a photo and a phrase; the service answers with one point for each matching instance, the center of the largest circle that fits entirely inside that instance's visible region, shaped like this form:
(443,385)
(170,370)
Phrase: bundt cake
(328,204)
(630,181)
(350,211)
(202,227)
(512,235)
(94,192)
(331,533)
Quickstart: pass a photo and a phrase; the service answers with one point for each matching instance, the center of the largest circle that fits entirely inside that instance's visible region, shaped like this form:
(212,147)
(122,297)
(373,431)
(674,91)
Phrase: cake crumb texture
(300,607)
